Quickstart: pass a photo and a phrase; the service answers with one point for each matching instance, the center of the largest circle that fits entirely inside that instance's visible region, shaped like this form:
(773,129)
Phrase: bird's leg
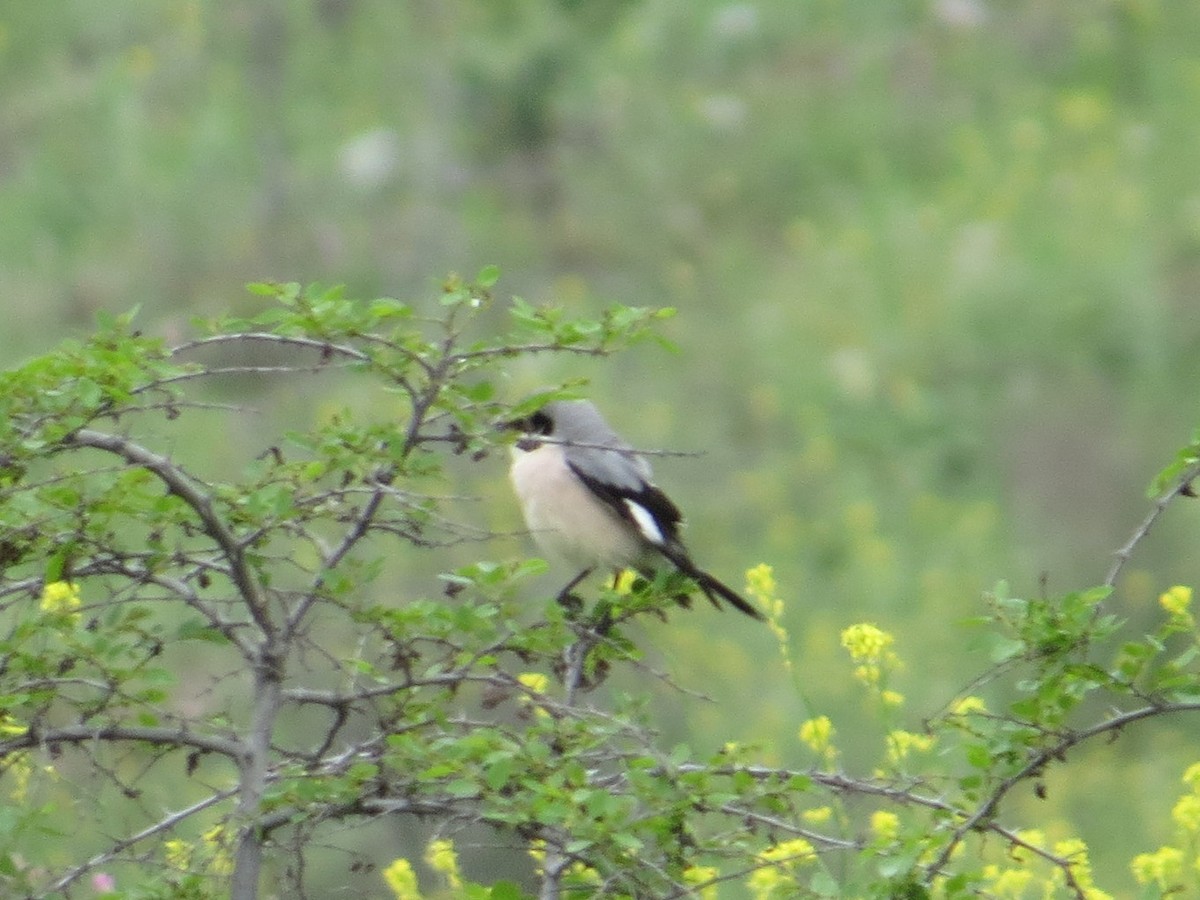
(571,602)
(572,669)
(602,617)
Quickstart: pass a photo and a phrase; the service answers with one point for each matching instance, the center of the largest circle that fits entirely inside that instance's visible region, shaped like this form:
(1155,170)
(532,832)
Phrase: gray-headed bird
(588,497)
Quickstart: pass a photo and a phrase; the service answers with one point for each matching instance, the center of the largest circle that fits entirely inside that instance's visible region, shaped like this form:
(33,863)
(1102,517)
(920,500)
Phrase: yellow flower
(534,681)
(704,878)
(178,854)
(61,598)
(1032,836)
(1186,813)
(901,743)
(866,642)
(777,865)
(1176,600)
(869,646)
(868,675)
(1163,867)
(9,727)
(760,585)
(537,852)
(583,874)
(442,859)
(818,815)
(1192,776)
(1075,852)
(760,581)
(891,698)
(623,581)
(402,880)
(965,706)
(817,733)
(794,852)
(1007,883)
(214,839)
(886,825)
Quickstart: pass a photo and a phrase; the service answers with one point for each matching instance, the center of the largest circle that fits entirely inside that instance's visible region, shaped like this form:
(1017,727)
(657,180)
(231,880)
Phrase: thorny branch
(982,817)
(232,549)
(163,826)
(363,717)
(1182,488)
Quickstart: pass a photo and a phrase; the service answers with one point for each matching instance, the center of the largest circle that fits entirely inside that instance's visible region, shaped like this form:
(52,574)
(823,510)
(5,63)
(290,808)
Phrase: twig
(268,337)
(156,736)
(183,487)
(358,530)
(1182,487)
(165,824)
(239,370)
(1036,763)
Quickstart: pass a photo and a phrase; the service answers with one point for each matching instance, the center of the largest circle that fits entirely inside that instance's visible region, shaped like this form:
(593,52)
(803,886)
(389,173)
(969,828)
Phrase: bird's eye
(540,423)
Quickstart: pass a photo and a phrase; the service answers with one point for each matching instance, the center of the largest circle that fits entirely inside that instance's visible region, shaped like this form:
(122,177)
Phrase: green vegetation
(935,268)
(235,646)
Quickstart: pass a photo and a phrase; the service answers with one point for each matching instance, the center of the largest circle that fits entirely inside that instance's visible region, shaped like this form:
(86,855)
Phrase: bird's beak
(513,425)
(527,441)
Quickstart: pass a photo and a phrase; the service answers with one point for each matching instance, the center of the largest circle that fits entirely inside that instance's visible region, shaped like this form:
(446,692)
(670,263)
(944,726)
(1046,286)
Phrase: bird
(589,498)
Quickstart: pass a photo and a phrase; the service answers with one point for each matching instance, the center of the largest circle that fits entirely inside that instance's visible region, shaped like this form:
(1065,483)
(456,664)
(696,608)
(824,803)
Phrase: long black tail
(712,586)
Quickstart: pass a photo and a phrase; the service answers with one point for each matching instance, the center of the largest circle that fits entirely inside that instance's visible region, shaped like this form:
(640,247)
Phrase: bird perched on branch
(588,498)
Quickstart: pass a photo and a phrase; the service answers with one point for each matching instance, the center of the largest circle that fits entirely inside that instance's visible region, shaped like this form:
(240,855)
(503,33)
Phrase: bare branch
(1037,762)
(241,370)
(357,531)
(156,736)
(254,774)
(182,486)
(1181,488)
(160,827)
(323,347)
(515,350)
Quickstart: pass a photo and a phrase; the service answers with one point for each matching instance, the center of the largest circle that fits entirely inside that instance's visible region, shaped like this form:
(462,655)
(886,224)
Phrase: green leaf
(506,890)
(629,843)
(389,308)
(462,787)
(978,755)
(499,773)
(894,866)
(824,885)
(488,276)
(531,567)
(56,564)
(1006,648)
(680,754)
(1168,478)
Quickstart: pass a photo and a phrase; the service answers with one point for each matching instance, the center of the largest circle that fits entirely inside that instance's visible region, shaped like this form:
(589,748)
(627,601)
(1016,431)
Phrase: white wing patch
(645,522)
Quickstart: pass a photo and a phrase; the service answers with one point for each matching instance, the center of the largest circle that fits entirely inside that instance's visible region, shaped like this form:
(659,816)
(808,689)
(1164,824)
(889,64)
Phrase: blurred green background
(936,265)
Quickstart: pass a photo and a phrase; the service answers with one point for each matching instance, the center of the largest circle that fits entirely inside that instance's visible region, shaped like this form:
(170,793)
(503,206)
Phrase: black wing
(645,507)
(657,519)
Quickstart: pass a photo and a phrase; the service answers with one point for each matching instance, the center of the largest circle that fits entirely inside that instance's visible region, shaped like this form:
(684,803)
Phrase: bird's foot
(571,603)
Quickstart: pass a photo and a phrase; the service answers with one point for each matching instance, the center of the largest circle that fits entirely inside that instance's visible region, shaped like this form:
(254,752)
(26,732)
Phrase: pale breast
(565,518)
